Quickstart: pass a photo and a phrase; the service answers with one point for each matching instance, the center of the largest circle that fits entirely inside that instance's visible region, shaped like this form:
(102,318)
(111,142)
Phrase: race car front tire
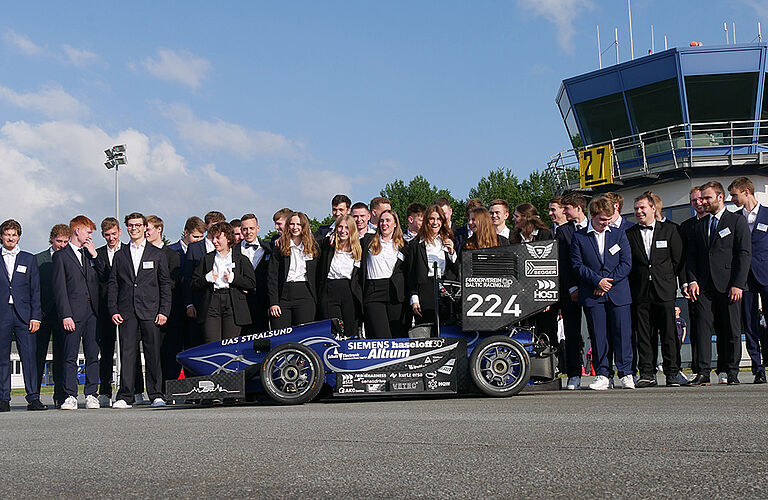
(292,374)
(499,366)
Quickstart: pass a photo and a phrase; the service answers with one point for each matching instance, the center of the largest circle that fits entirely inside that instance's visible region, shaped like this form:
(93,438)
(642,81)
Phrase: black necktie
(82,257)
(712,228)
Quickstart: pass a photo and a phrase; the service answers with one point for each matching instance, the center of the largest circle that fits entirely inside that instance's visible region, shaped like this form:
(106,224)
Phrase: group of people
(220,281)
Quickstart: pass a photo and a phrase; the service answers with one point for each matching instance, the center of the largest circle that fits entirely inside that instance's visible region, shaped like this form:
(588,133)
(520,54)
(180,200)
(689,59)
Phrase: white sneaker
(158,402)
(139,399)
(574,383)
(69,404)
(627,382)
(92,403)
(120,404)
(722,378)
(104,401)
(600,384)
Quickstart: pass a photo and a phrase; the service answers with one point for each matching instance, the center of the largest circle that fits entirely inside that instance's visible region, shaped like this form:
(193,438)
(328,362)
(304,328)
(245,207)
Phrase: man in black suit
(50,326)
(362,217)
(172,331)
(657,258)
(75,284)
(258,254)
(686,233)
(557,214)
(107,332)
(194,230)
(340,205)
(415,216)
(717,264)
(574,206)
(195,253)
(139,295)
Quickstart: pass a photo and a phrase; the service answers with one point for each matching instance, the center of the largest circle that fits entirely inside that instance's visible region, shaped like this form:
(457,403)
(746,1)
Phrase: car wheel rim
(499,366)
(290,373)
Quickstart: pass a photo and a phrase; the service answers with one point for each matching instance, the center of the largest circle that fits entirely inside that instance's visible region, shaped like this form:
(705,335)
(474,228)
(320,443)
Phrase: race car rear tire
(292,374)
(499,366)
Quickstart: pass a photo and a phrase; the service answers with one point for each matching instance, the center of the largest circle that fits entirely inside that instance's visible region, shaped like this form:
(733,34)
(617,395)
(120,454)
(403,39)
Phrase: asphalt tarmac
(707,442)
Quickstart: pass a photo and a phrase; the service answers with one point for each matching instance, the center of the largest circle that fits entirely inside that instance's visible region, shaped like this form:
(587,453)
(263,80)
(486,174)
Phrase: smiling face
(518,219)
(294,226)
(499,215)
(136,228)
(112,236)
(250,230)
(339,210)
(342,230)
(601,221)
(557,213)
(573,212)
(59,242)
(387,225)
(697,203)
(361,216)
(435,223)
(10,239)
(713,201)
(645,212)
(154,234)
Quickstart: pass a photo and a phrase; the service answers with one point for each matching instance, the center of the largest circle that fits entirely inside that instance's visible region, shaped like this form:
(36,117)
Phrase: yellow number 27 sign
(596,166)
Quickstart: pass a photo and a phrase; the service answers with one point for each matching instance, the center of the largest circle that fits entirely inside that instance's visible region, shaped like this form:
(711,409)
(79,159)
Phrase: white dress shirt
(342,266)
(297,271)
(436,252)
(504,232)
(599,238)
(254,251)
(582,224)
(137,251)
(78,254)
(184,246)
(751,216)
(381,266)
(529,239)
(647,235)
(209,246)
(9,256)
(617,223)
(222,265)
(111,253)
(716,216)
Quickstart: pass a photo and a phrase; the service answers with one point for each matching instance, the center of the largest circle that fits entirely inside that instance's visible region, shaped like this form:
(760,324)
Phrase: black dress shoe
(701,379)
(36,405)
(645,381)
(733,379)
(5,406)
(759,378)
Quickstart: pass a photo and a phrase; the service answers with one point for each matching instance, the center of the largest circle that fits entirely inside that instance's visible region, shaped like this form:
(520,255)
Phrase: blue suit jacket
(24,286)
(176,247)
(590,270)
(759,269)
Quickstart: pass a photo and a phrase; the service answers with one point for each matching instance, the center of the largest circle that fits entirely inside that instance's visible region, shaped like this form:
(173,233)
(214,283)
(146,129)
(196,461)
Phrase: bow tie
(251,245)
(646,227)
(10,252)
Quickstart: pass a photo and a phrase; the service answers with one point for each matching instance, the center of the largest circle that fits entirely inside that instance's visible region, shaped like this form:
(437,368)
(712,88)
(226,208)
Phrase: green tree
(503,184)
(418,190)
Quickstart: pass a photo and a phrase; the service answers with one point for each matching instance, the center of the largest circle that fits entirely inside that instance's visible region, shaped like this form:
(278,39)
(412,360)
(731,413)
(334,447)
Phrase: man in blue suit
(602,259)
(20,316)
(75,284)
(743,195)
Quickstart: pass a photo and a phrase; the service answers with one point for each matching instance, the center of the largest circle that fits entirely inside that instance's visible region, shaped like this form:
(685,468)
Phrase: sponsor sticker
(535,268)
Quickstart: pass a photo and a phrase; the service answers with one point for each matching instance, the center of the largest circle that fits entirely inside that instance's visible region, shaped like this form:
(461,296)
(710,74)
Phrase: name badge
(661,244)
(400,256)
(614,249)
(725,232)
(148,265)
(21,269)
(762,227)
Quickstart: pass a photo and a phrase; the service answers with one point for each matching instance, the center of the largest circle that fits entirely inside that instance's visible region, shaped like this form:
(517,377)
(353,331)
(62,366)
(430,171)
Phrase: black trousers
(85,332)
(338,302)
(173,343)
(220,318)
(754,333)
(50,330)
(132,331)
(574,343)
(297,305)
(383,316)
(427,302)
(107,337)
(715,309)
(692,333)
(651,321)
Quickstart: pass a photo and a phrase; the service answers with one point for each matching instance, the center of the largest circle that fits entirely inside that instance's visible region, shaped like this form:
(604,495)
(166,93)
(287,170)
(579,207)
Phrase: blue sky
(252,106)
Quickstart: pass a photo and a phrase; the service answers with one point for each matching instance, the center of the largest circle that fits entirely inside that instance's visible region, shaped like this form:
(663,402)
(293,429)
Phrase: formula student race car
(477,344)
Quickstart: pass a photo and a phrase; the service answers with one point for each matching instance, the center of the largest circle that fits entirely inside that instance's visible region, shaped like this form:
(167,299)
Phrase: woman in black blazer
(338,284)
(223,275)
(292,273)
(433,244)
(382,272)
(528,225)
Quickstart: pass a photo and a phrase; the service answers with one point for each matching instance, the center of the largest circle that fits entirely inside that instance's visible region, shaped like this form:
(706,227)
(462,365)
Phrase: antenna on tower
(631,40)
(665,42)
(616,42)
(759,33)
(734,33)
(725,27)
(599,49)
(653,46)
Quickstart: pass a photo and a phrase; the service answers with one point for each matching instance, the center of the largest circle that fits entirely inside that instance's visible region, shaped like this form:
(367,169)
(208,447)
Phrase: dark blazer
(568,276)
(45,271)
(418,267)
(195,253)
(75,286)
(258,300)
(104,269)
(625,224)
(324,265)
(460,235)
(23,286)
(178,307)
(397,285)
(146,293)
(323,232)
(277,273)
(590,269)
(243,280)
(543,234)
(655,279)
(758,273)
(726,263)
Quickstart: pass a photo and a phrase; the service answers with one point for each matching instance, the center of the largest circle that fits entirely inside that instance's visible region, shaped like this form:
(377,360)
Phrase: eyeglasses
(140,224)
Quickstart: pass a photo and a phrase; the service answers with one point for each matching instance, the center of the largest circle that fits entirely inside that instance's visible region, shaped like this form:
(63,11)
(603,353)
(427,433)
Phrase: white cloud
(220,135)
(561,13)
(22,43)
(51,101)
(759,6)
(78,57)
(177,66)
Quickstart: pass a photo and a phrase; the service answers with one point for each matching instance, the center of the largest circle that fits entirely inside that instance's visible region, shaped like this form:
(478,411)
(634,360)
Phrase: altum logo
(546,284)
(540,252)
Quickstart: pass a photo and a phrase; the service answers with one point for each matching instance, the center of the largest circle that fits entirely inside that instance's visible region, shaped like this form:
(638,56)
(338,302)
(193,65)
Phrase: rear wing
(504,285)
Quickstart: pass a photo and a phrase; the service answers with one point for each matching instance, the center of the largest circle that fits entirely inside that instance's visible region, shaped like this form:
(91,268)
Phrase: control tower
(667,122)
